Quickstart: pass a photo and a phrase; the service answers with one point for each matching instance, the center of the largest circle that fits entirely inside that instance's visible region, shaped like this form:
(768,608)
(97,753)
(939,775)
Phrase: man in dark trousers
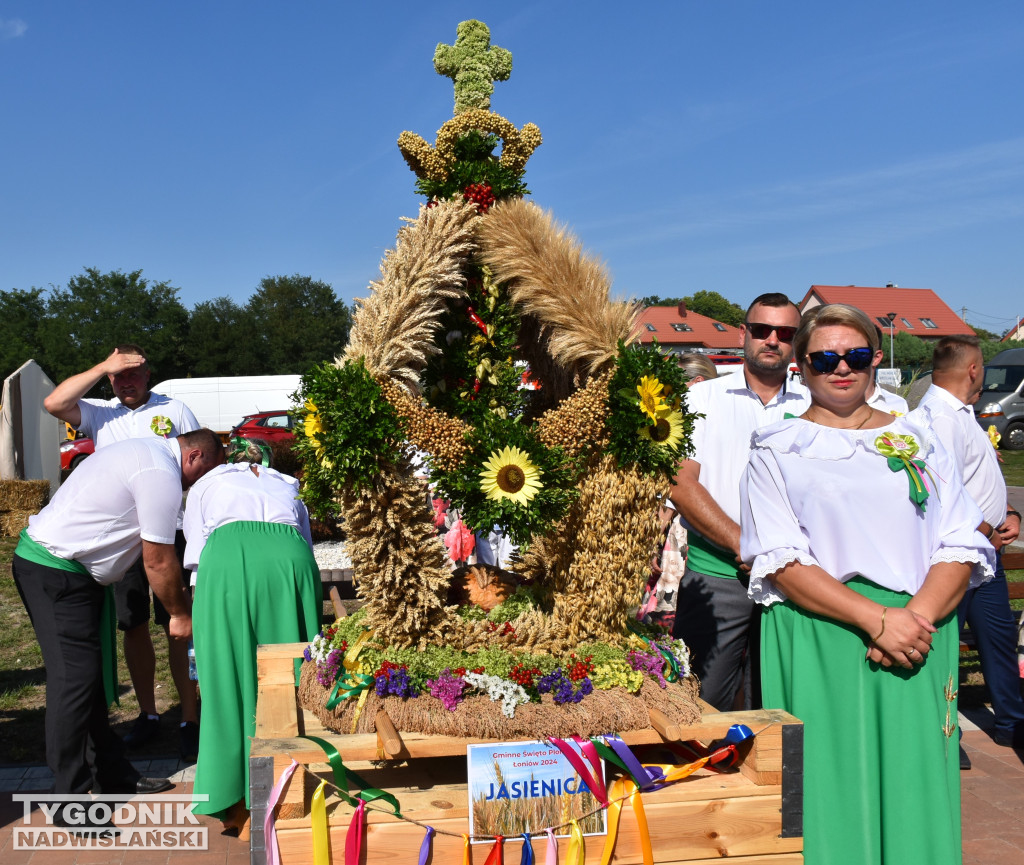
(122,500)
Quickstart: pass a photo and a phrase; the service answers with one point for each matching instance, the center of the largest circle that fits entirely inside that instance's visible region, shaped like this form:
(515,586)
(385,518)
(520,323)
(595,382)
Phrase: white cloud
(12,28)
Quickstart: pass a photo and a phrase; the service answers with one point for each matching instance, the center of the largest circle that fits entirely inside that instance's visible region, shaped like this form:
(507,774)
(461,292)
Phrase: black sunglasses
(828,361)
(762,331)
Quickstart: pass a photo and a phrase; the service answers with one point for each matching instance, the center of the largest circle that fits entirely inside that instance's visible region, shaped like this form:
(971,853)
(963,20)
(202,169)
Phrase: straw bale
(12,522)
(24,495)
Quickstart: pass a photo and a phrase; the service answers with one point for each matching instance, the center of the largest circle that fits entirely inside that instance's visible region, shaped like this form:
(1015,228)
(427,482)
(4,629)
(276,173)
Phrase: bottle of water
(192,661)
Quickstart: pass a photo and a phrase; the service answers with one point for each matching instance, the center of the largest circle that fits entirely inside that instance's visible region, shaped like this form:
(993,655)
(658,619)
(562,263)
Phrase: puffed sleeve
(192,526)
(958,537)
(770,535)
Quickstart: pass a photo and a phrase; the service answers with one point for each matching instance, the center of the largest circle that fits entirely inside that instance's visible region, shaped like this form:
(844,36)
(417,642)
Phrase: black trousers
(81,749)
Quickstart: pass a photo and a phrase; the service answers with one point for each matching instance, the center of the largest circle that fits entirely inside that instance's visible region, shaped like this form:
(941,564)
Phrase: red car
(266,426)
(73,452)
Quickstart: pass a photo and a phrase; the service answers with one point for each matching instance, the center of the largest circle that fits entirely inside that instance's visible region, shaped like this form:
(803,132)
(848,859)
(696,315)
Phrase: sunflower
(509,474)
(312,425)
(667,430)
(651,401)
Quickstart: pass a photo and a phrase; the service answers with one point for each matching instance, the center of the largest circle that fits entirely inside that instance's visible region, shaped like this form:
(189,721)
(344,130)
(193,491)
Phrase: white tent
(29,436)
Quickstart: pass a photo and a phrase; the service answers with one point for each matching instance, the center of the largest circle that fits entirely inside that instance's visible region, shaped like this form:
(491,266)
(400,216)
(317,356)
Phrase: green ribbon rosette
(899,451)
(240,450)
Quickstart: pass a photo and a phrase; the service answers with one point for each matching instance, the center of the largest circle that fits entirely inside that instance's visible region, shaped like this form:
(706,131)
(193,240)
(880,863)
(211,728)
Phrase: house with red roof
(918,311)
(679,330)
(1014,333)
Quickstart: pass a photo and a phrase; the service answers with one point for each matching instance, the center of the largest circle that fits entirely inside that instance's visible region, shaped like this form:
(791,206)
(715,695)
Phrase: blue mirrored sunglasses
(828,361)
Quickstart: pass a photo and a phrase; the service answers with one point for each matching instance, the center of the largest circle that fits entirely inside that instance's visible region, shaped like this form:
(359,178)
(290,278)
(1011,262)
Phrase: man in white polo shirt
(136,412)
(957,377)
(714,616)
(122,501)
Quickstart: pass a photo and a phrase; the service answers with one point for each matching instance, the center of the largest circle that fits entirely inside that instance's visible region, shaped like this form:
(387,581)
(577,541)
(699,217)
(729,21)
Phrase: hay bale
(13,522)
(27,496)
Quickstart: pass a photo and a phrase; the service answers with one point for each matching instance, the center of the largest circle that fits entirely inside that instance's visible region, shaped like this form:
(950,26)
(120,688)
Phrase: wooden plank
(275,710)
(1014,562)
(339,608)
(746,827)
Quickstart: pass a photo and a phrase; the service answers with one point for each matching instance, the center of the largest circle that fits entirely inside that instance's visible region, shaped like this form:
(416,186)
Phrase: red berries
(480,194)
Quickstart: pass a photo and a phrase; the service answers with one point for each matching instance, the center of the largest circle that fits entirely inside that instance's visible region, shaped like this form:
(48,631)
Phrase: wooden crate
(753,816)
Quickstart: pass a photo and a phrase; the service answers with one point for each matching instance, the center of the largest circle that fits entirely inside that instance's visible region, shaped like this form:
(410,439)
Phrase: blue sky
(738,147)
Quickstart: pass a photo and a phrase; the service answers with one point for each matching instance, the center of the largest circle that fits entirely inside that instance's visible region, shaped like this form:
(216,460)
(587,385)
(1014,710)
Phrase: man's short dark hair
(208,442)
(771,298)
(955,351)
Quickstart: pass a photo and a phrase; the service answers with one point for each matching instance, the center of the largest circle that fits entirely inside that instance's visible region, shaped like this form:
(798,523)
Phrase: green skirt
(258,584)
(881,747)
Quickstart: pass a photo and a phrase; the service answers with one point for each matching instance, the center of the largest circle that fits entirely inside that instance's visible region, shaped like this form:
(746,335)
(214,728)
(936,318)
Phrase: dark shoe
(1009,740)
(965,761)
(188,741)
(141,786)
(145,729)
(89,830)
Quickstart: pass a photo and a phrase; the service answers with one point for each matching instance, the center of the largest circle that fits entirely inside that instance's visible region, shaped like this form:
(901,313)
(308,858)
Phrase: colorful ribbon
(674,673)
(551,856)
(465,851)
(318,820)
(899,451)
(593,779)
(527,857)
(343,776)
(354,837)
(497,854)
(269,829)
(426,847)
(349,683)
(620,789)
(577,854)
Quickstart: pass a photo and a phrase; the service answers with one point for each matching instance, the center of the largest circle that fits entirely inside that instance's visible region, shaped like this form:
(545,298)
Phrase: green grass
(1013,467)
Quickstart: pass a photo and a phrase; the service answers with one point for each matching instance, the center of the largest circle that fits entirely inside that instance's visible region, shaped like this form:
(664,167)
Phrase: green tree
(713,305)
(298,322)
(22,318)
(97,311)
(220,339)
(990,348)
(910,350)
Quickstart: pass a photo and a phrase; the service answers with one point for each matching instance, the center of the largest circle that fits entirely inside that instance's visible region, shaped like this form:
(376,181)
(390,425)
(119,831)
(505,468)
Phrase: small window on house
(718,326)
(882,320)
(681,328)
(651,327)
(906,323)
(927,322)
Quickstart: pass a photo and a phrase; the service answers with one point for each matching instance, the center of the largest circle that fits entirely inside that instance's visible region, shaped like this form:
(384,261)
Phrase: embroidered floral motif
(949,728)
(161,425)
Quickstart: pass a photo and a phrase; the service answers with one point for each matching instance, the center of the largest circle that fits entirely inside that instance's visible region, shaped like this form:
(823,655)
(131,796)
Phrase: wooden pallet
(753,816)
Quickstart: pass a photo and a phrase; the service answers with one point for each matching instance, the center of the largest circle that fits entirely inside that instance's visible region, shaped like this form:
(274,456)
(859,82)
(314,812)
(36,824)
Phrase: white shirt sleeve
(770,534)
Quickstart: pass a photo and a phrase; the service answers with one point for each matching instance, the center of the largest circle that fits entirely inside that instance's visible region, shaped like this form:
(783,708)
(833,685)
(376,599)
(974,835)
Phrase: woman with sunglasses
(861,541)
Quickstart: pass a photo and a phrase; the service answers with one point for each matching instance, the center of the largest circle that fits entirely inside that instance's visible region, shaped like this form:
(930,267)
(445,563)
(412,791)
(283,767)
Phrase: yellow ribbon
(617,791)
(465,850)
(577,854)
(318,818)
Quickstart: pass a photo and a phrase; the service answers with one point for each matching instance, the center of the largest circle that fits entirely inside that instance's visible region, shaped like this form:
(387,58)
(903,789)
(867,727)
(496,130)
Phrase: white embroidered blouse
(828,497)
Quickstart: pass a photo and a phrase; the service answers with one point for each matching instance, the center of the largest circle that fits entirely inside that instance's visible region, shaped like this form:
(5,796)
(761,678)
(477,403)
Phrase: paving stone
(9,772)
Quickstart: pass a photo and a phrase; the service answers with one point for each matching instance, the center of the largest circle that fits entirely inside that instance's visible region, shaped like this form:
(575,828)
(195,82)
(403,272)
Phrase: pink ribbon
(551,857)
(354,838)
(269,830)
(591,779)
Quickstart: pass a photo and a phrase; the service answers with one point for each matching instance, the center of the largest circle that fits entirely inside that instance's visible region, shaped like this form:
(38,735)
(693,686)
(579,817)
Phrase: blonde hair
(832,315)
(695,364)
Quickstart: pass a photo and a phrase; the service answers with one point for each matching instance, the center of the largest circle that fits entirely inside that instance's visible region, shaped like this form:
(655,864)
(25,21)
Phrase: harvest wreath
(491,350)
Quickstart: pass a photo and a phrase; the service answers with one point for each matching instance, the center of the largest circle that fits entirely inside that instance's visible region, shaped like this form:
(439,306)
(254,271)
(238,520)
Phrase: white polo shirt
(109,421)
(953,423)
(721,439)
(234,493)
(127,492)
(886,400)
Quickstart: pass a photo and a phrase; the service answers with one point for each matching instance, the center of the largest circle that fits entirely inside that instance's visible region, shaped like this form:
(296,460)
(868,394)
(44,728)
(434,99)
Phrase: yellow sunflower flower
(311,425)
(651,402)
(509,474)
(667,430)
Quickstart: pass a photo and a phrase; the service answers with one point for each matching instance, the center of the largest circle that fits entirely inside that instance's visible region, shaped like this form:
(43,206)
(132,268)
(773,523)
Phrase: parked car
(266,426)
(73,452)
(1001,403)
